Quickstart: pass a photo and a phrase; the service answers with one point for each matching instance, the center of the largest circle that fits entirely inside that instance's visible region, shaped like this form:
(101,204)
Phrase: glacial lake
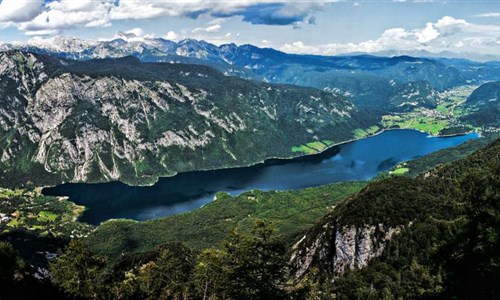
(358,160)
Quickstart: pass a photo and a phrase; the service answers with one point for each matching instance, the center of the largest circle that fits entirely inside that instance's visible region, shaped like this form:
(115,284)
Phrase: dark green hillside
(283,67)
(445,243)
(374,92)
(291,211)
(380,83)
(448,245)
(484,104)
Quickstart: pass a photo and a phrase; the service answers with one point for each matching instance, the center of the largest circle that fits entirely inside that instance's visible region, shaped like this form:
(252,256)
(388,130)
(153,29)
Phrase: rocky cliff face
(337,249)
(360,228)
(125,120)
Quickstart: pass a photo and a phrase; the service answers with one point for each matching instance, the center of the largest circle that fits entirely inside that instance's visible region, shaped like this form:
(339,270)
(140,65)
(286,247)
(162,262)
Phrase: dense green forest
(453,252)
(291,212)
(449,248)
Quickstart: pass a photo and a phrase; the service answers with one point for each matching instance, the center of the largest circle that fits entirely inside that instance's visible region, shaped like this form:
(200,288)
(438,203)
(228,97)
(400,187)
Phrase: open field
(313,147)
(28,210)
(434,121)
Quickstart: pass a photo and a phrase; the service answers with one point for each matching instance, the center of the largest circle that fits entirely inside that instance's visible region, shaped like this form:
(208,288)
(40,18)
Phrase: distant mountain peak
(125,35)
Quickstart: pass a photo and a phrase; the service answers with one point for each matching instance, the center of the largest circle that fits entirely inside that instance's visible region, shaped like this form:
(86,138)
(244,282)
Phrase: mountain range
(403,79)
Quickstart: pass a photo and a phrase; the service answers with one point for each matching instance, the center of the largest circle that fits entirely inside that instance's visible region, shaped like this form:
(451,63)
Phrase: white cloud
(99,23)
(300,48)
(67,14)
(211,28)
(488,15)
(217,21)
(43,32)
(19,10)
(446,34)
(133,35)
(278,12)
(171,35)
(428,34)
(135,10)
(40,15)
(450,26)
(72,5)
(58,20)
(136,31)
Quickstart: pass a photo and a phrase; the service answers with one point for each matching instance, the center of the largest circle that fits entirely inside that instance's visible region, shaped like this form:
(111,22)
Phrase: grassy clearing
(313,147)
(13,223)
(415,121)
(400,171)
(361,133)
(303,149)
(318,146)
(442,108)
(426,124)
(46,216)
(373,129)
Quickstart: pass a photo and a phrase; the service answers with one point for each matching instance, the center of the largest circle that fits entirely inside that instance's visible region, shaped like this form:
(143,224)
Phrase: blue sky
(317,27)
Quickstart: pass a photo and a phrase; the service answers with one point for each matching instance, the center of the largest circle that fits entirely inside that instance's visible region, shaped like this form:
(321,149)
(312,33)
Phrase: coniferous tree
(169,275)
(211,274)
(475,264)
(11,265)
(78,271)
(256,264)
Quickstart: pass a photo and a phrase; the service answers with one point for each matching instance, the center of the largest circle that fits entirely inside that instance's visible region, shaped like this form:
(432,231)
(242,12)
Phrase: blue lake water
(359,160)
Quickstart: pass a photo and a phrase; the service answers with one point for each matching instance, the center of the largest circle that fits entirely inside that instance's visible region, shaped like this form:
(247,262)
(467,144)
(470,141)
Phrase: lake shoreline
(276,158)
(346,161)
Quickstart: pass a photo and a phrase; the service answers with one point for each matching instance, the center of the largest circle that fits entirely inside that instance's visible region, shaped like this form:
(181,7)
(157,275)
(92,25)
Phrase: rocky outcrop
(336,249)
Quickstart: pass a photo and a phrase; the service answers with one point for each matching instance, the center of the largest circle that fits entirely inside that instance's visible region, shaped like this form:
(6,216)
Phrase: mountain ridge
(356,76)
(133,121)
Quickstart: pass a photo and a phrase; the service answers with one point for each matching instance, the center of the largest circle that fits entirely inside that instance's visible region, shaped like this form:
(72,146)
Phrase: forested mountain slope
(121,119)
(436,235)
(484,104)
